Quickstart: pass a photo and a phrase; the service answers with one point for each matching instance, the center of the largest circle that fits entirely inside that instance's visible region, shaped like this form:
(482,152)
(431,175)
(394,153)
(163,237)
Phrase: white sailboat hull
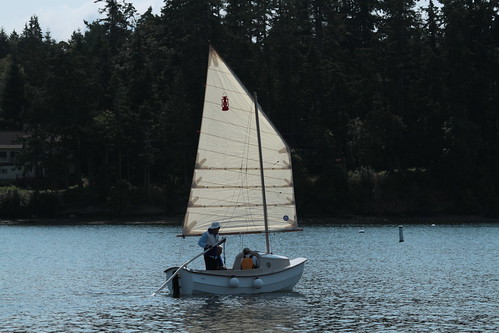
(281,275)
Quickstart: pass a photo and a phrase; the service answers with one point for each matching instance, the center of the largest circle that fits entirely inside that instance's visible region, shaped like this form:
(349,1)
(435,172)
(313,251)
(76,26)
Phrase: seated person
(249,259)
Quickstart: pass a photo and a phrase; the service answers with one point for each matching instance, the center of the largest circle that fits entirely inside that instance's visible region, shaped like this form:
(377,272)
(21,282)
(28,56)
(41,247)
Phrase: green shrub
(44,204)
(120,198)
(13,204)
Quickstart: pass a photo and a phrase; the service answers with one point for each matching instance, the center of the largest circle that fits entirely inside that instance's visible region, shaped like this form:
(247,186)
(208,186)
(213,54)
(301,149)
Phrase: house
(10,147)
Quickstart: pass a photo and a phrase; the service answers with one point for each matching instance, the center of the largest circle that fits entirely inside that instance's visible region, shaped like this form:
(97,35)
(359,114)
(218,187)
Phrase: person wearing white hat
(212,258)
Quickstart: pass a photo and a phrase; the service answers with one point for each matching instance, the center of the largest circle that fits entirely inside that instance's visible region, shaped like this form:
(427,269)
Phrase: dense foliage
(388,107)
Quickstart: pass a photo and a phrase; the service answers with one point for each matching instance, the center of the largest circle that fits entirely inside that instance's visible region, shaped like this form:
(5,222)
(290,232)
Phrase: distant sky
(60,17)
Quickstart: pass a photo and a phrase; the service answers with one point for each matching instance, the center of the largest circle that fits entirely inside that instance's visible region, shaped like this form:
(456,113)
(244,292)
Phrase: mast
(262,176)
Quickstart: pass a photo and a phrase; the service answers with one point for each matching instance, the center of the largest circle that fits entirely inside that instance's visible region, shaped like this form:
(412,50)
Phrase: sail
(226,185)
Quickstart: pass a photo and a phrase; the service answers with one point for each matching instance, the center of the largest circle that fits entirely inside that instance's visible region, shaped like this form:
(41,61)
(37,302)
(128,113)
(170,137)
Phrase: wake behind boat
(242,179)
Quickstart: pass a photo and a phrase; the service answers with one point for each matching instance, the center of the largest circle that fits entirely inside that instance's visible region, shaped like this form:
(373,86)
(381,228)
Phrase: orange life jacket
(247,263)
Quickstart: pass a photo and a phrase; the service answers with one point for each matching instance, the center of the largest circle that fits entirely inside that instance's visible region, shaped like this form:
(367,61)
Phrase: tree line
(389,107)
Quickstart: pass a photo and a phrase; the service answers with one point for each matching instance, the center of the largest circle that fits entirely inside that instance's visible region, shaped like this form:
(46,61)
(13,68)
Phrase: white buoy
(234,282)
(257,283)
(361,231)
(401,234)
(433,225)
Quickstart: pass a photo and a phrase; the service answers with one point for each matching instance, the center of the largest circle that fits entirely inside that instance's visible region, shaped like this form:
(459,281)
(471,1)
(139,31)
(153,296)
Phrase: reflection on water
(99,279)
(241,313)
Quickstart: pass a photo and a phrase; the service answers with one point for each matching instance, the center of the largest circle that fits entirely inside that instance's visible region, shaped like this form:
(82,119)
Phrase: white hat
(214,225)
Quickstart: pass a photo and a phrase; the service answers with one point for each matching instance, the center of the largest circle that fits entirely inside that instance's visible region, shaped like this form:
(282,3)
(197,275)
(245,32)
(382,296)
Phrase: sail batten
(226,184)
(240,205)
(240,186)
(240,168)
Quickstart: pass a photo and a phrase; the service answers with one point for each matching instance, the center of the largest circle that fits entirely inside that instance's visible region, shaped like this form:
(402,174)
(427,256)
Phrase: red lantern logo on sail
(225,103)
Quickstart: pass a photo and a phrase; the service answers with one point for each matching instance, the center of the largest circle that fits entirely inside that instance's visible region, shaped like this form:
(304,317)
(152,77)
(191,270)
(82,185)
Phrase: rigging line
(223,121)
(247,168)
(235,126)
(222,72)
(268,129)
(277,199)
(214,186)
(241,205)
(233,108)
(238,170)
(237,191)
(200,213)
(207,185)
(204,179)
(273,189)
(208,202)
(208,193)
(277,185)
(241,192)
(215,216)
(268,149)
(250,135)
(206,188)
(243,176)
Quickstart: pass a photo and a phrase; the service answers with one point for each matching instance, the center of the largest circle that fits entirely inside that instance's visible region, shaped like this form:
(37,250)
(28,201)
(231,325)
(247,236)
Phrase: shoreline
(159,220)
(177,220)
(408,220)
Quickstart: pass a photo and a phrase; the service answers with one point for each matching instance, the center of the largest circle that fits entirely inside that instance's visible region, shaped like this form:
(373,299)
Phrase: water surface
(99,278)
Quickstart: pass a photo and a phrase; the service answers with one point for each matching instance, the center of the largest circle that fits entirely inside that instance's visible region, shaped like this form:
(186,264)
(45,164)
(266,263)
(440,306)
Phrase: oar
(185,264)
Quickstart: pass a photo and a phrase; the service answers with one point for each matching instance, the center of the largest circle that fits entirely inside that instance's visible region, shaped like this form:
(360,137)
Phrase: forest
(390,107)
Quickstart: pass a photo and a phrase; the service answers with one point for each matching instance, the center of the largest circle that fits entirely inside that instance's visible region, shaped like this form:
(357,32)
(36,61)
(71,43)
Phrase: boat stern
(180,284)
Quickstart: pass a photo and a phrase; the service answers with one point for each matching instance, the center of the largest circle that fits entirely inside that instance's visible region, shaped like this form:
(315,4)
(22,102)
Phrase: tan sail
(226,185)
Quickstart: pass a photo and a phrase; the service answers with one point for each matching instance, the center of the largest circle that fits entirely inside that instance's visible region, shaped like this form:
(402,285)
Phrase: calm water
(99,278)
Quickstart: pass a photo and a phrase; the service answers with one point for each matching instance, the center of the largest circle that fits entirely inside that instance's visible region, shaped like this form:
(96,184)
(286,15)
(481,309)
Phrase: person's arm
(255,261)
(202,240)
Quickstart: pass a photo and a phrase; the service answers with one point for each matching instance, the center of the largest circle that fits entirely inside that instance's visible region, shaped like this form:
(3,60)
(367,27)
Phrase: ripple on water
(441,279)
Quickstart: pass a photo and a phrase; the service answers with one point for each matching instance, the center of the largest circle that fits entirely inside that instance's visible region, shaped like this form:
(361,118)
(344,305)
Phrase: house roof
(10,139)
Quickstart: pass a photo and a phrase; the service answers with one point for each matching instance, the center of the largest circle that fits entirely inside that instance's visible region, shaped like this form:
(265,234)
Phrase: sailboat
(243,180)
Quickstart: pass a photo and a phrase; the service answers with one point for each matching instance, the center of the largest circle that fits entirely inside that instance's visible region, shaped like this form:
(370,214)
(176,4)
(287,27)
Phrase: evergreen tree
(187,29)
(4,44)
(118,23)
(471,100)
(354,86)
(12,99)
